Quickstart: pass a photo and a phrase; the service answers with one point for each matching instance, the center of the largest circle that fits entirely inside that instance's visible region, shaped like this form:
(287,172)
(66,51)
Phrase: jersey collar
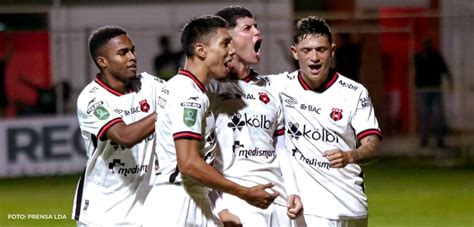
(99,81)
(192,77)
(251,75)
(330,80)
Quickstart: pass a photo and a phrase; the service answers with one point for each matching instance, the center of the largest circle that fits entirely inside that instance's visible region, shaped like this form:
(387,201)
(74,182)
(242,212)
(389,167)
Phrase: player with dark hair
(330,128)
(186,141)
(116,115)
(249,122)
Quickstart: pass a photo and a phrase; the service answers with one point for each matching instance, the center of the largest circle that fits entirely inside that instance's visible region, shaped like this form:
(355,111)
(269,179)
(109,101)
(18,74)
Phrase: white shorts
(313,220)
(171,205)
(274,215)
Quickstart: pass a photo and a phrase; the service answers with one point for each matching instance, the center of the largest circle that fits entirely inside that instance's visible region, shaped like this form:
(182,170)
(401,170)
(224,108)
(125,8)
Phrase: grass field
(400,194)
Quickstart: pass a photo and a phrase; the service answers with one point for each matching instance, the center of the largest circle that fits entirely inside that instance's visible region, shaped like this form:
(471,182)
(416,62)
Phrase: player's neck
(240,70)
(315,82)
(199,70)
(114,83)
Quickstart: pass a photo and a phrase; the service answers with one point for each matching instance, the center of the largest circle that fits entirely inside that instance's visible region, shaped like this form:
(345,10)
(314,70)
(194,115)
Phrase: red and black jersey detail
(187,135)
(330,80)
(192,77)
(367,132)
(99,81)
(103,130)
(279,132)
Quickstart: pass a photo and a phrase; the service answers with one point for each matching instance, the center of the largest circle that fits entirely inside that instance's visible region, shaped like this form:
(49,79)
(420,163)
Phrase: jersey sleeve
(96,116)
(280,126)
(188,116)
(364,121)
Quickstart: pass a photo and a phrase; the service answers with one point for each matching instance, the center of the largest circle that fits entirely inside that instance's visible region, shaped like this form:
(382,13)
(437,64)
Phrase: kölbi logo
(257,121)
(124,170)
(315,133)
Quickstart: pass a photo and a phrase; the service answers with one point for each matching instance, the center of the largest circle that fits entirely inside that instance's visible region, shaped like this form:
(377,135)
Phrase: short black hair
(311,26)
(198,29)
(101,36)
(232,13)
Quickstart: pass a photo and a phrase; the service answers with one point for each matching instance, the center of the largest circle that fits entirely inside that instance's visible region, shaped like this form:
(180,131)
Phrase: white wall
(71,26)
(457,47)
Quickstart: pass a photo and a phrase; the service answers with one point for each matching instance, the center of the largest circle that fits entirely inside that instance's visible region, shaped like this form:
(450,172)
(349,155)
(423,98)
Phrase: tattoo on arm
(369,148)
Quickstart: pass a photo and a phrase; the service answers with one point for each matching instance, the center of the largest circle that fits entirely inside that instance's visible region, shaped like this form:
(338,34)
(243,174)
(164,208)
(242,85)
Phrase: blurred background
(425,176)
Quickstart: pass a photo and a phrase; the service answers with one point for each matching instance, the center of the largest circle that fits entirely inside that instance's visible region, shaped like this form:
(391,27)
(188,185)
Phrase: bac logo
(336,114)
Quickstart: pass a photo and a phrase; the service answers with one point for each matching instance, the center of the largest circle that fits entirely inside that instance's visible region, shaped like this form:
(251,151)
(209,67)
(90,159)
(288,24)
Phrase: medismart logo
(122,169)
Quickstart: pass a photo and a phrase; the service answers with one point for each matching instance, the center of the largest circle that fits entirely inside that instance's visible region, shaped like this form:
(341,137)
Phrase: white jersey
(248,116)
(183,113)
(111,188)
(335,116)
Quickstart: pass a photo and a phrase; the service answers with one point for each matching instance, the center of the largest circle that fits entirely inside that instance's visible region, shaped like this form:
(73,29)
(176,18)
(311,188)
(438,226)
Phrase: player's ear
(293,52)
(200,50)
(101,61)
(333,50)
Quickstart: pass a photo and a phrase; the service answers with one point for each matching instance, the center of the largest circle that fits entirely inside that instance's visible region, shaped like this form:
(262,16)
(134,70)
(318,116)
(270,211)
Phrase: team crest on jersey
(336,114)
(144,106)
(101,113)
(264,97)
(189,116)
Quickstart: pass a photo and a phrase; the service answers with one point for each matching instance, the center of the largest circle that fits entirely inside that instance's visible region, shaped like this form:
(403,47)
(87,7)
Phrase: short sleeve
(96,116)
(187,117)
(364,121)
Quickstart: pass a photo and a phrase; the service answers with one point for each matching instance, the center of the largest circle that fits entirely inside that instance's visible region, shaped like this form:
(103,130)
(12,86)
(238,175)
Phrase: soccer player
(249,121)
(330,127)
(186,134)
(116,115)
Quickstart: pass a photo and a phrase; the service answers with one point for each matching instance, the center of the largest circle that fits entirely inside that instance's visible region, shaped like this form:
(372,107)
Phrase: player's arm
(131,134)
(192,165)
(294,204)
(367,151)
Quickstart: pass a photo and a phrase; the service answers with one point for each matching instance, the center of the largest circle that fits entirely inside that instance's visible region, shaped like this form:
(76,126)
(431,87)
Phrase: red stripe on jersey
(332,81)
(367,132)
(106,127)
(251,75)
(187,135)
(302,82)
(279,132)
(106,87)
(324,86)
(192,77)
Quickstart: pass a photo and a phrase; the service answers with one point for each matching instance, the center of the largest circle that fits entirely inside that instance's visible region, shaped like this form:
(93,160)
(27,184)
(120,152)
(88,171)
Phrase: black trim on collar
(192,77)
(99,81)
(330,80)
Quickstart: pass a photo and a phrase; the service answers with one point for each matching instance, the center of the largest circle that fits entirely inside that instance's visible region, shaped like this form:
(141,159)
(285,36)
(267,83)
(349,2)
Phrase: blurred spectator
(4,59)
(167,63)
(429,70)
(348,57)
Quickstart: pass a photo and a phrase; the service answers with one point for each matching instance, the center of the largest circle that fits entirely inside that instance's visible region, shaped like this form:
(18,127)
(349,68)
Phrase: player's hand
(259,197)
(295,206)
(229,219)
(338,158)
